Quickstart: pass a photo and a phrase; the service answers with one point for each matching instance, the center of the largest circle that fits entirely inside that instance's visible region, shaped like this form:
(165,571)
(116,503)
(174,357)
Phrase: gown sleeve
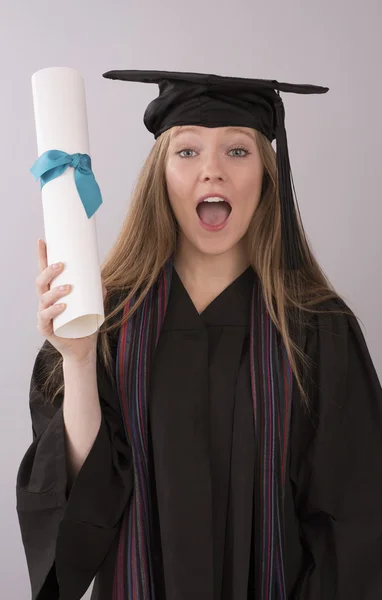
(67,528)
(338,469)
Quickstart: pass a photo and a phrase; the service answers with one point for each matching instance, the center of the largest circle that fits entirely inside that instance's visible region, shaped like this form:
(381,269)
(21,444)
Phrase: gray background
(334,141)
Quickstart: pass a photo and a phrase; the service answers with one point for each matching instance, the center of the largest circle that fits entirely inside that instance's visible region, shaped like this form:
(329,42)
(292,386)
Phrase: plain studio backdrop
(334,142)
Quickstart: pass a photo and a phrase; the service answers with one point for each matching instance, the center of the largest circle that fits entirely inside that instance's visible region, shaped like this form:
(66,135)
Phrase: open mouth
(213,213)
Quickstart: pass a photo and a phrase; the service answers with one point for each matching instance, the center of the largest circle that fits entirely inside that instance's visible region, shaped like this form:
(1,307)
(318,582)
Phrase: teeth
(214,199)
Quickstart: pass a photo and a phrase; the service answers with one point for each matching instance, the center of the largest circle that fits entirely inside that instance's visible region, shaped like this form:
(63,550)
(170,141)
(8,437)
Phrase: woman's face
(213,161)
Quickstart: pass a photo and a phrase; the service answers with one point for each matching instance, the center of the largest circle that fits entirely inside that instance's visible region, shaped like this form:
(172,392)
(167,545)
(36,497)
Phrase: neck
(208,272)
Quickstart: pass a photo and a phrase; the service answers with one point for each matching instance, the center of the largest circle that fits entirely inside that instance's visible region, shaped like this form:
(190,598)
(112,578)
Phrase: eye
(184,150)
(239,148)
(242,149)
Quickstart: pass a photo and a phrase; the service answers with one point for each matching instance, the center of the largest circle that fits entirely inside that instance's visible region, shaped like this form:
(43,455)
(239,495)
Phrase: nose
(212,168)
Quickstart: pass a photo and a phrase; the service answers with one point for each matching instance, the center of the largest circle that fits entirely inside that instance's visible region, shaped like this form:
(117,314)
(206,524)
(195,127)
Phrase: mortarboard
(217,101)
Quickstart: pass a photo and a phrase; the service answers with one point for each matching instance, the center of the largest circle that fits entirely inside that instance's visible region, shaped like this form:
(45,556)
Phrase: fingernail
(57,265)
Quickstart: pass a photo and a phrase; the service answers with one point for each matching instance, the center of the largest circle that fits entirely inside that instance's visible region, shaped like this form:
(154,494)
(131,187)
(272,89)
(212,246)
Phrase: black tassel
(293,254)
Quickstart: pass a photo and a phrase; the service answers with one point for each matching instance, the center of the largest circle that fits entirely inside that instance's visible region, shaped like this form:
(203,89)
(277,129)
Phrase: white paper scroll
(71,237)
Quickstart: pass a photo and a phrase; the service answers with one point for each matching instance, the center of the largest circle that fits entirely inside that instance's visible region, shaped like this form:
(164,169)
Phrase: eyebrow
(229,129)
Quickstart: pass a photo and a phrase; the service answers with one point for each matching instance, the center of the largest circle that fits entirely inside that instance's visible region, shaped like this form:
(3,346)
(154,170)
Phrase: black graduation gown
(201,428)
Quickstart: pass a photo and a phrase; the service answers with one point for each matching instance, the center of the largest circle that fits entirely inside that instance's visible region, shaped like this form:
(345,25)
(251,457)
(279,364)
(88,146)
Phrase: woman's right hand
(81,350)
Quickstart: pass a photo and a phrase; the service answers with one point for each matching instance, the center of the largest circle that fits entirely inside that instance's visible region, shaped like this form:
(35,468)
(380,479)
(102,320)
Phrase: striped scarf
(271,385)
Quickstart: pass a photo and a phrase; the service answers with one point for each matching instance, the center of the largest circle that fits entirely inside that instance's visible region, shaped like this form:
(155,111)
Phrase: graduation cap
(218,101)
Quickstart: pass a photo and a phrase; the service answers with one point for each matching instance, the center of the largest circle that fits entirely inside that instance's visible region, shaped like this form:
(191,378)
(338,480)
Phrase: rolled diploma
(61,124)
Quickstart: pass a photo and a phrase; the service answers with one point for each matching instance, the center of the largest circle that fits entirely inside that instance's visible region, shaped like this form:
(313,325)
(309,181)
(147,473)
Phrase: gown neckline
(230,307)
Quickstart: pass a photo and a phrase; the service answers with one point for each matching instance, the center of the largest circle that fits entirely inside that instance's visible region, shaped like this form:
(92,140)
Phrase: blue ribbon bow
(53,163)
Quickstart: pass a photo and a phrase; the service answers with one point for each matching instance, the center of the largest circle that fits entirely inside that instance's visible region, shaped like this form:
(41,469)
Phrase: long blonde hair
(149,236)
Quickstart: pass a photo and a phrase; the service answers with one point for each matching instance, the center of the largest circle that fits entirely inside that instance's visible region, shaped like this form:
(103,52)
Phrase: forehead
(211,130)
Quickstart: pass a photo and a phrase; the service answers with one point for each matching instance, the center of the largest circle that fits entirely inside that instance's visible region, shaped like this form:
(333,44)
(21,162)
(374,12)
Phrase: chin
(214,246)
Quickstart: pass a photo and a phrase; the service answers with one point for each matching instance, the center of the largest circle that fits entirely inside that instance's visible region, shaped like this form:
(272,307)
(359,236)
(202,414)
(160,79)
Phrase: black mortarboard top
(218,101)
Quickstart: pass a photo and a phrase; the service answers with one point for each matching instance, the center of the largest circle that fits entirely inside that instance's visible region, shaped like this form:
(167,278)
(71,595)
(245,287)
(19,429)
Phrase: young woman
(221,437)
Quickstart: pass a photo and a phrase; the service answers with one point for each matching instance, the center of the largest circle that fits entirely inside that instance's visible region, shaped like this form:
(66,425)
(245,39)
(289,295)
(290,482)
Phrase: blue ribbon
(53,163)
